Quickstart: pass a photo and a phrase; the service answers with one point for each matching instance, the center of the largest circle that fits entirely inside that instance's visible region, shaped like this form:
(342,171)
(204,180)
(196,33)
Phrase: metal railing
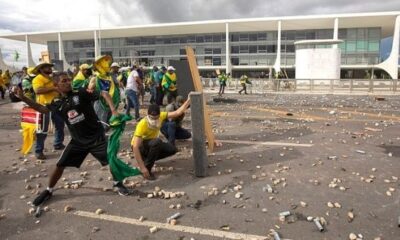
(260,85)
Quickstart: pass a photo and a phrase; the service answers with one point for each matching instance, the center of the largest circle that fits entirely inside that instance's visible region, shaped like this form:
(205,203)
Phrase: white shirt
(131,81)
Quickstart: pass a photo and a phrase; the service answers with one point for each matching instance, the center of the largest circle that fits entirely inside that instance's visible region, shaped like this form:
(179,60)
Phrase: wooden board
(198,87)
(184,77)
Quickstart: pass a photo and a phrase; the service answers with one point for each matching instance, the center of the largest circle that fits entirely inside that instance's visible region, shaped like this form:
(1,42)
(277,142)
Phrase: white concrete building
(254,45)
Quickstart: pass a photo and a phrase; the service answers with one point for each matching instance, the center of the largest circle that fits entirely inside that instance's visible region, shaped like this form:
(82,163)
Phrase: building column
(29,59)
(277,65)
(227,50)
(96,45)
(61,54)
(391,64)
(336,31)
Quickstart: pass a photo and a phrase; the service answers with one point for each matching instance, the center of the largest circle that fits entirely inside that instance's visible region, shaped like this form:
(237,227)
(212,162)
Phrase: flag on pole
(16,55)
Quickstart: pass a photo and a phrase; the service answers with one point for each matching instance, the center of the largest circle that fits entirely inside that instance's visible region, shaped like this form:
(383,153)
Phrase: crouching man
(87,133)
(146,144)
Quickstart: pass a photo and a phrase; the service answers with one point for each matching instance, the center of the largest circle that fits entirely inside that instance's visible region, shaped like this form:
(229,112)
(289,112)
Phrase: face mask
(152,123)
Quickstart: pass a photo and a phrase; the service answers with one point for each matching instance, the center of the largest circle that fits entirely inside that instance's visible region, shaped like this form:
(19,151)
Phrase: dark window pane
(217,38)
(182,51)
(235,61)
(271,48)
(183,40)
(217,61)
(253,49)
(235,37)
(244,37)
(217,51)
(199,39)
(191,39)
(262,36)
(208,51)
(253,37)
(208,38)
(262,48)
(244,49)
(235,49)
(290,48)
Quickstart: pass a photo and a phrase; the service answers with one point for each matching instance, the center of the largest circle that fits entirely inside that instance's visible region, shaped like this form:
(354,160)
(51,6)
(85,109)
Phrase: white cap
(170,68)
(114,64)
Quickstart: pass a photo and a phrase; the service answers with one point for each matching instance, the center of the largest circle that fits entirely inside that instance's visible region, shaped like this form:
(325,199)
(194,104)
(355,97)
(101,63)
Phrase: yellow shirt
(41,81)
(1,82)
(143,131)
(6,78)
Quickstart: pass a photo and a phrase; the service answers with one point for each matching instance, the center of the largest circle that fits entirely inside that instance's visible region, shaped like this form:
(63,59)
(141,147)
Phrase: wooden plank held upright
(199,88)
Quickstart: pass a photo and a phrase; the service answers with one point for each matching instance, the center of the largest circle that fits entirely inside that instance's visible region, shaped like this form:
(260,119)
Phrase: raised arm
(180,110)
(38,107)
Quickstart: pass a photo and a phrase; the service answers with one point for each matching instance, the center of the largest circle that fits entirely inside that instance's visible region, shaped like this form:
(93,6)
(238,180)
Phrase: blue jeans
(133,101)
(172,132)
(153,93)
(58,134)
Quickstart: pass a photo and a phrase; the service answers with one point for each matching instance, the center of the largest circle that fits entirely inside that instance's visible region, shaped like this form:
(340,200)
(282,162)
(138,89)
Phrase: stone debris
(153,229)
(350,216)
(68,208)
(99,211)
(141,219)
(95,229)
(238,195)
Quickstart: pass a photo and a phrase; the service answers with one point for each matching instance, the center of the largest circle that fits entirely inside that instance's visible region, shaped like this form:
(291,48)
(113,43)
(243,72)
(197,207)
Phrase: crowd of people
(86,102)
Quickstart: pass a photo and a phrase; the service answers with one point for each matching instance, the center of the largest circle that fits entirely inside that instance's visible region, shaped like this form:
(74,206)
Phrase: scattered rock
(99,211)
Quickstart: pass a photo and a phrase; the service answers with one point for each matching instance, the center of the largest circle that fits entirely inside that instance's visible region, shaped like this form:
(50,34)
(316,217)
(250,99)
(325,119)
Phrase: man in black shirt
(87,133)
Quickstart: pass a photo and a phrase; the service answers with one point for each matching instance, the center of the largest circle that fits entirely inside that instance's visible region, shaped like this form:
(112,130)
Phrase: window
(217,38)
(361,45)
(208,60)
(83,43)
(271,48)
(373,46)
(217,61)
(235,61)
(244,37)
(208,51)
(262,49)
(183,40)
(191,39)
(253,49)
(352,34)
(262,36)
(290,35)
(217,51)
(244,49)
(235,37)
(235,49)
(208,38)
(290,48)
(374,33)
(182,51)
(350,46)
(253,37)
(199,39)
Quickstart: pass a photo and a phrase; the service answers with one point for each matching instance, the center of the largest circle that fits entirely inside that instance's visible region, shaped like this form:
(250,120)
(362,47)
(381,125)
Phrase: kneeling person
(146,144)
(87,133)
(172,128)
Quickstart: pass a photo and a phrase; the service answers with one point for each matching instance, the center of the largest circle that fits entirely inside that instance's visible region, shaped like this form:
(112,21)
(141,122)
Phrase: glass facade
(361,46)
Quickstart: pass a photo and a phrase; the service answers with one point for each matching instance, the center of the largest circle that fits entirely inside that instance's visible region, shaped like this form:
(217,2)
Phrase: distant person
(243,81)
(132,93)
(146,144)
(159,89)
(223,78)
(46,91)
(82,78)
(27,87)
(172,128)
(2,85)
(7,78)
(105,86)
(152,84)
(169,82)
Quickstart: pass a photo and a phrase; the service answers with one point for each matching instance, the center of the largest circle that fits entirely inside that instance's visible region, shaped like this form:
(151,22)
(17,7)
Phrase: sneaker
(59,147)
(40,156)
(44,196)
(122,190)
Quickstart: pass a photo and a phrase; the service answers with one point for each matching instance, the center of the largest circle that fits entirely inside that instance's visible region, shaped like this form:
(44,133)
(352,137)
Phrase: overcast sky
(45,15)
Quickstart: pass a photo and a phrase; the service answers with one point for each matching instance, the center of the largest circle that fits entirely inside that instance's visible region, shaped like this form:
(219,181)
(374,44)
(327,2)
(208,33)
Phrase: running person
(87,133)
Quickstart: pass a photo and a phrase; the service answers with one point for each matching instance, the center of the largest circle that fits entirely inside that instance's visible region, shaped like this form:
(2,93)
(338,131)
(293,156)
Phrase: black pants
(155,149)
(243,88)
(2,91)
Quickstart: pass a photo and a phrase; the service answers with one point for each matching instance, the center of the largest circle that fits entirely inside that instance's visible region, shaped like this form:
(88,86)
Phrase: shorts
(75,153)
